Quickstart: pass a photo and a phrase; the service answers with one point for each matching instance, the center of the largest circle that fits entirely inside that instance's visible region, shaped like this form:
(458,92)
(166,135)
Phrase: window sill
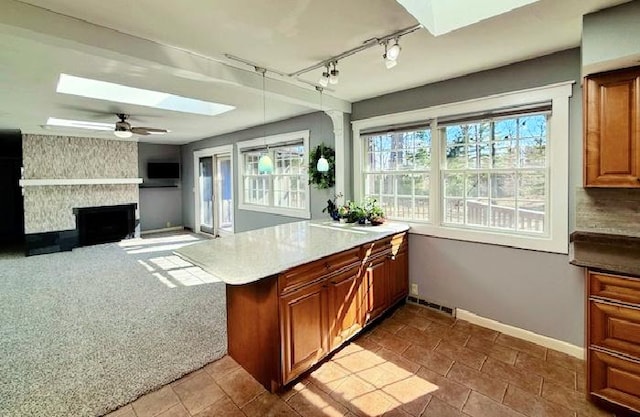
(297,213)
(541,244)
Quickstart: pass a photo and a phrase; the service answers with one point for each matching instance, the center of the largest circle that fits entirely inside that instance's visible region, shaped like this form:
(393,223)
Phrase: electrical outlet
(168,224)
(414,289)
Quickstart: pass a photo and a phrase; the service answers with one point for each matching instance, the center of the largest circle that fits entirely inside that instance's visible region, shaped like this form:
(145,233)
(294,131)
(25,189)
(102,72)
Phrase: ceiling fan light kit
(124,130)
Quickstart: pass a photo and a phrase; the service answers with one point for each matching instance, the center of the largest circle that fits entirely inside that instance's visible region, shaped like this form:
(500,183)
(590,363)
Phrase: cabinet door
(376,287)
(398,275)
(612,147)
(303,324)
(345,304)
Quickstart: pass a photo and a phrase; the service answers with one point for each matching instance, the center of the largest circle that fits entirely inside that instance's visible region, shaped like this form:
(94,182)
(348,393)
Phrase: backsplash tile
(608,210)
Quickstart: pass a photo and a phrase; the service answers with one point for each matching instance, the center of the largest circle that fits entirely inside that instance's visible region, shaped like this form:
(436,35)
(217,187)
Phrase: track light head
(324,80)
(390,63)
(393,51)
(333,77)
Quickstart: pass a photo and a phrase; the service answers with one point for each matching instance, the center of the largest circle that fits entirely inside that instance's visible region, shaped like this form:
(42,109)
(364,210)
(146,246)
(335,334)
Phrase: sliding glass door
(215,193)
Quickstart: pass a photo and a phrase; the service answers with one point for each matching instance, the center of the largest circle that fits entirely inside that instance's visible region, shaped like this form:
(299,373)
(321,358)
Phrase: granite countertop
(250,256)
(610,252)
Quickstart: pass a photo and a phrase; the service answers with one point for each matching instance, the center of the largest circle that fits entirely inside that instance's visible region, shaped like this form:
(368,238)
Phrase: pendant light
(265,164)
(323,164)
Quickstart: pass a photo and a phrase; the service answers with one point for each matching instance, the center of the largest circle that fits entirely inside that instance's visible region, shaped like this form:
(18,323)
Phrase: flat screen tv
(166,170)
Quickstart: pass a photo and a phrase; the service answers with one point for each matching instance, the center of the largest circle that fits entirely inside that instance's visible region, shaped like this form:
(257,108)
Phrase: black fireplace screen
(105,224)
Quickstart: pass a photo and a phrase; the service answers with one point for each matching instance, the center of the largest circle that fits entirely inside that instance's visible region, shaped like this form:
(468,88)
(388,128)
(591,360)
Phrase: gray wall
(160,199)
(610,38)
(536,291)
(320,130)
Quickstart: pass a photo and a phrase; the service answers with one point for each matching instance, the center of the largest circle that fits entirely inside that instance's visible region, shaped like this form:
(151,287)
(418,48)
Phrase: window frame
(273,141)
(556,238)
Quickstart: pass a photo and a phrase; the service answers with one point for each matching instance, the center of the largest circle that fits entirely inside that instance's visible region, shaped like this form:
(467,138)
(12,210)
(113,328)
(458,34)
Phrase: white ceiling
(189,40)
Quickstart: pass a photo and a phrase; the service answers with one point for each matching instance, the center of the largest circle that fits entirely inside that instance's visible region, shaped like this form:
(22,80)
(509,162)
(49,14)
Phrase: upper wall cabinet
(612,129)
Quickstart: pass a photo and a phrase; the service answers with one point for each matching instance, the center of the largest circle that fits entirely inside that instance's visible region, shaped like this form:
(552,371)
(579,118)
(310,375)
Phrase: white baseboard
(548,342)
(166,229)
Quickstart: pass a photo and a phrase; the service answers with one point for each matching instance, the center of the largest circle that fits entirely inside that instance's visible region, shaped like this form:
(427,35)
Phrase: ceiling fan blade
(149,130)
(140,131)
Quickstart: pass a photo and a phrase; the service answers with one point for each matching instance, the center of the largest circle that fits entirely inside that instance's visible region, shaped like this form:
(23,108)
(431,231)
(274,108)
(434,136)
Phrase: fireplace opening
(105,224)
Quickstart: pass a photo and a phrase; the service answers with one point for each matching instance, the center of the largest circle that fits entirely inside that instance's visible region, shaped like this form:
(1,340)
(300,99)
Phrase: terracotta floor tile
(371,404)
(222,366)
(175,411)
(396,361)
(417,321)
(549,371)
(314,402)
(429,359)
(240,387)
(448,391)
(581,381)
(522,345)
(438,408)
(413,393)
(493,350)
(458,353)
(366,343)
(389,341)
(436,317)
(477,381)
(268,405)
(380,375)
(155,402)
(351,348)
(328,376)
(480,406)
(397,412)
(197,391)
(359,361)
(350,388)
(474,330)
(532,405)
(391,325)
(526,380)
(126,411)
(562,359)
(448,333)
(221,408)
(571,399)
(294,389)
(419,338)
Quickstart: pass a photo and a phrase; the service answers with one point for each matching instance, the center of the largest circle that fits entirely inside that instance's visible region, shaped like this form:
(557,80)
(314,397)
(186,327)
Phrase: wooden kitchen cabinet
(613,338)
(279,327)
(304,328)
(345,305)
(611,129)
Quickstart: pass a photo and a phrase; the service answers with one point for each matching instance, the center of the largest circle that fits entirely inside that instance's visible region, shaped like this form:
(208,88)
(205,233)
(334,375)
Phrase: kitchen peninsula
(298,291)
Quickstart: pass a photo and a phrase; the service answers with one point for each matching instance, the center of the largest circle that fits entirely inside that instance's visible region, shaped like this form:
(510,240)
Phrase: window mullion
(436,178)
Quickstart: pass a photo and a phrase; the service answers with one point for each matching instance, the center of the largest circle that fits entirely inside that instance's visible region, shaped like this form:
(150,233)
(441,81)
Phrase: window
(495,173)
(492,170)
(398,172)
(284,191)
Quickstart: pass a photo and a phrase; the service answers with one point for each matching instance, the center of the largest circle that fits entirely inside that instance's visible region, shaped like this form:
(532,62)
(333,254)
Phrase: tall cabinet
(612,129)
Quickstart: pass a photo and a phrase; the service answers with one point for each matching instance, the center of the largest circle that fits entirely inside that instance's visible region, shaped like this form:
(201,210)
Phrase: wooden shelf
(78,181)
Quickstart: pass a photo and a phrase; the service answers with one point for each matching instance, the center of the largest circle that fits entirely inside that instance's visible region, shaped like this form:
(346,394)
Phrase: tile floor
(414,363)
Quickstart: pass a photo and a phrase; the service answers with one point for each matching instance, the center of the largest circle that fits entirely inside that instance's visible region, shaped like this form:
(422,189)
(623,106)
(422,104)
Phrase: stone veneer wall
(50,208)
(608,210)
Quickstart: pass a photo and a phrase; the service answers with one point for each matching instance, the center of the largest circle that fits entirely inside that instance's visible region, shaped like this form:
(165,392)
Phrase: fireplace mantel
(78,181)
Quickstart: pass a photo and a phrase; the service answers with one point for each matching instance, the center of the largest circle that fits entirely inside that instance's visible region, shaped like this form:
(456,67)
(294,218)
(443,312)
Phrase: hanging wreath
(322,180)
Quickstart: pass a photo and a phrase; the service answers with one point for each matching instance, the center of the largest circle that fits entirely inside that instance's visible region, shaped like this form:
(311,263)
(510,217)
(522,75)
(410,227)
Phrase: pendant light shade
(323,164)
(265,164)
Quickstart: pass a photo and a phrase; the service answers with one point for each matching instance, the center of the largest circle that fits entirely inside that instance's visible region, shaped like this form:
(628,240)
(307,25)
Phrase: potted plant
(375,214)
(332,207)
(343,213)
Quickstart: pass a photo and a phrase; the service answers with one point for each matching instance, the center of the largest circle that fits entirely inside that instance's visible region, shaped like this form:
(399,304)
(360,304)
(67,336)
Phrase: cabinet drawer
(305,274)
(615,379)
(393,244)
(614,287)
(615,327)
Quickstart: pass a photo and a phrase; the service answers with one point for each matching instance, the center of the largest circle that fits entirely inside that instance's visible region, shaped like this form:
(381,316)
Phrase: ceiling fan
(123,129)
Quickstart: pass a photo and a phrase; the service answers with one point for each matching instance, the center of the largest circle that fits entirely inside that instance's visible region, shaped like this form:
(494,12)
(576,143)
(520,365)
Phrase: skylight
(54,121)
(103,90)
(443,16)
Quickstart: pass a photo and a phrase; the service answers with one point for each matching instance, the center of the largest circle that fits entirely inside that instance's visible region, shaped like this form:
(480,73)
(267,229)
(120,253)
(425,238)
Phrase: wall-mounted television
(163,170)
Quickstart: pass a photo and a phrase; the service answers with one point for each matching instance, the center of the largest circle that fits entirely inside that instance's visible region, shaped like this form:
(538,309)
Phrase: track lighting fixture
(333,75)
(391,54)
(324,80)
